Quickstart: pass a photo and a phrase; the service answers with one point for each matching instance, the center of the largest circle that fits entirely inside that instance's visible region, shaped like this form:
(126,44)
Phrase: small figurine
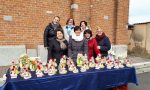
(39,72)
(62,65)
(52,70)
(79,60)
(92,62)
(26,74)
(14,70)
(128,63)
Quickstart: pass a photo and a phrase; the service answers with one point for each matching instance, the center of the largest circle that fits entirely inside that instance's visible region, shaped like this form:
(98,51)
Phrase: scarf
(62,44)
(55,25)
(77,38)
(100,37)
(69,28)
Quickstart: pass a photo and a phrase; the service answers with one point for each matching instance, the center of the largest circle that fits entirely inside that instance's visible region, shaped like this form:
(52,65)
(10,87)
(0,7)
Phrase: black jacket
(55,52)
(49,34)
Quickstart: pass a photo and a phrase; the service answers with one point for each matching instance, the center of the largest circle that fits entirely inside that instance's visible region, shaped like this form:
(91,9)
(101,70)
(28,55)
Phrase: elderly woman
(103,42)
(77,44)
(92,44)
(58,46)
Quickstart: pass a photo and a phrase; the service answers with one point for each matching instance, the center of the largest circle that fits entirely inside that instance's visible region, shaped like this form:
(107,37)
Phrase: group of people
(73,39)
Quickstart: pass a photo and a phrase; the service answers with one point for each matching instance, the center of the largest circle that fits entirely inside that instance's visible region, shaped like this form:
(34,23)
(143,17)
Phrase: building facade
(22,23)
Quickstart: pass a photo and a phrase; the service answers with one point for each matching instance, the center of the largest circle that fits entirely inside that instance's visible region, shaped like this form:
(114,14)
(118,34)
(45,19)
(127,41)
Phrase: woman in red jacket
(92,44)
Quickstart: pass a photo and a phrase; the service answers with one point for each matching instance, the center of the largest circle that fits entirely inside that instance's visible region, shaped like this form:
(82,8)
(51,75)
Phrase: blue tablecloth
(90,80)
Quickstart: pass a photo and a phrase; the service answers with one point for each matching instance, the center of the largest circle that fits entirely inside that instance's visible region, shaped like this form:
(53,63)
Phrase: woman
(49,32)
(83,25)
(103,42)
(58,46)
(92,44)
(68,29)
(77,44)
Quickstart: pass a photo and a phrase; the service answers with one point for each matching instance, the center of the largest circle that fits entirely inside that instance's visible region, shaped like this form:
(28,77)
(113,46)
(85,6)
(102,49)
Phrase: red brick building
(22,22)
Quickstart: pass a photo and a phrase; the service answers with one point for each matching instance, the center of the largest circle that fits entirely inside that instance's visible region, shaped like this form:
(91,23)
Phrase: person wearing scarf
(77,44)
(58,46)
(49,32)
(92,44)
(103,42)
(68,28)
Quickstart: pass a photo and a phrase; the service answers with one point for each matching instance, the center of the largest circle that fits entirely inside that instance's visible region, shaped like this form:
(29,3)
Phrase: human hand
(98,47)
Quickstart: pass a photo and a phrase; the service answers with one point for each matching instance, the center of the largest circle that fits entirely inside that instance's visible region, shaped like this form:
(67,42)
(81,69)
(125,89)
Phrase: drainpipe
(115,21)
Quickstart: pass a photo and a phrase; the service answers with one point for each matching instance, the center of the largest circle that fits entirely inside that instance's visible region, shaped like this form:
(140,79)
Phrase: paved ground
(144,82)
(138,59)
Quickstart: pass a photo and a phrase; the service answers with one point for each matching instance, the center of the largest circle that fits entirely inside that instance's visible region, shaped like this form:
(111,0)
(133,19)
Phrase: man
(49,32)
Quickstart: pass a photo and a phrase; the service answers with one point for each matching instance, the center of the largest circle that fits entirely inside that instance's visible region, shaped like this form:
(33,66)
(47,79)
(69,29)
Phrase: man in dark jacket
(49,32)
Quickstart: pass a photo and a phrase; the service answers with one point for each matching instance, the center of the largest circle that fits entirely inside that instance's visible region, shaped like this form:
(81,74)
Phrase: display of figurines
(70,64)
(116,64)
(75,70)
(52,70)
(50,67)
(62,65)
(39,72)
(97,62)
(121,64)
(103,60)
(25,73)
(83,68)
(101,65)
(63,59)
(80,58)
(91,62)
(14,70)
(85,64)
(52,62)
(128,63)
(45,68)
(109,64)
(33,65)
(24,61)
(62,68)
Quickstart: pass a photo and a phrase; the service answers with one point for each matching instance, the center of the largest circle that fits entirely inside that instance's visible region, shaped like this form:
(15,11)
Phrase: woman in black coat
(49,32)
(58,46)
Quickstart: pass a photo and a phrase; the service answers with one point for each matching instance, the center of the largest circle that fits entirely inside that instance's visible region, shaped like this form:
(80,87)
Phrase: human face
(70,22)
(77,32)
(99,31)
(87,35)
(56,20)
(59,35)
(83,25)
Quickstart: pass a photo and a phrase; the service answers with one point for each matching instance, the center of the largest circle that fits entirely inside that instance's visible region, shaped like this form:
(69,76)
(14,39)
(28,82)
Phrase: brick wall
(30,17)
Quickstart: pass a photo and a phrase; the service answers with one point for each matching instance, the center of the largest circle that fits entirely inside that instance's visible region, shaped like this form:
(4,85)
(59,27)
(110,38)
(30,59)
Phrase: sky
(139,11)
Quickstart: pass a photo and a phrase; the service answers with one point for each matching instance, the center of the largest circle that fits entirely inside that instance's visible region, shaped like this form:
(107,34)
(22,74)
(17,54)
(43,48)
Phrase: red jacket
(92,47)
